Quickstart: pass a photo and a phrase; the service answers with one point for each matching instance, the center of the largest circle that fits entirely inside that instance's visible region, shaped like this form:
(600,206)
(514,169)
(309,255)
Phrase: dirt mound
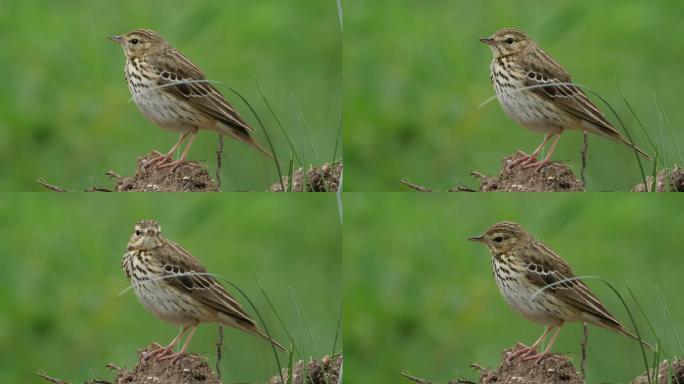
(665,374)
(667,180)
(553,177)
(188,177)
(557,369)
(325,178)
(317,371)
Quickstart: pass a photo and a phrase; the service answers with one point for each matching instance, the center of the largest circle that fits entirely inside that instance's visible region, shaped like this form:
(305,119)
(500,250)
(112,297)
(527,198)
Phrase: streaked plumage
(159,270)
(173,93)
(522,266)
(552,105)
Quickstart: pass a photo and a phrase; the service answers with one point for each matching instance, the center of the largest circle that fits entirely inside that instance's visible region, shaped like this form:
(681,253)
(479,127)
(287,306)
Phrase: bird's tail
(265,336)
(247,325)
(624,331)
(639,150)
(241,134)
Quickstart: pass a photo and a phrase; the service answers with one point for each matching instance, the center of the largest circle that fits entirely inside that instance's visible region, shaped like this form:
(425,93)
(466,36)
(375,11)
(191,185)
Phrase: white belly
(171,307)
(543,309)
(162,108)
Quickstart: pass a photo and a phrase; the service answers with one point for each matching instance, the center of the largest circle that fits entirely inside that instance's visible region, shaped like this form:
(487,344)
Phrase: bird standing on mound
(174,94)
(540,285)
(173,285)
(536,92)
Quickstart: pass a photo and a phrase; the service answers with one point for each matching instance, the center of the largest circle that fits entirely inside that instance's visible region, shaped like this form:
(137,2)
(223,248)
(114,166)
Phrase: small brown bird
(174,94)
(541,286)
(535,91)
(173,285)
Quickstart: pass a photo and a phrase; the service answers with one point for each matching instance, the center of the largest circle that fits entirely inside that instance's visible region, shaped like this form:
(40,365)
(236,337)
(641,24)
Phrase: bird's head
(508,41)
(146,235)
(139,42)
(501,237)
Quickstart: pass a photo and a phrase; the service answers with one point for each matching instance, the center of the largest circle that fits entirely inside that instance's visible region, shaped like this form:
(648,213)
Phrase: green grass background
(66,112)
(60,308)
(415,74)
(419,296)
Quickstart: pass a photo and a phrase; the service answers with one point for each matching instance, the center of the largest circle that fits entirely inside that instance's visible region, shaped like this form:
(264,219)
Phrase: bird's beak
(487,40)
(118,39)
(479,239)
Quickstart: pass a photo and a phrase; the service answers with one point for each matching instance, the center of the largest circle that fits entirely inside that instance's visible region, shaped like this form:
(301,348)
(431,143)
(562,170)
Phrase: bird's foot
(523,159)
(173,164)
(537,357)
(158,158)
(173,357)
(157,352)
(523,351)
(537,165)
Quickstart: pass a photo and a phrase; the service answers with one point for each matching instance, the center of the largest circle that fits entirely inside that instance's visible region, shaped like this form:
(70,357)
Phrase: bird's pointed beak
(487,40)
(479,239)
(118,39)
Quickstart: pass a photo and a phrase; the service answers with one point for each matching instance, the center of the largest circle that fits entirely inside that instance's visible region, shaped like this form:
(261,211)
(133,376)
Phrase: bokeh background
(60,303)
(419,296)
(66,112)
(415,74)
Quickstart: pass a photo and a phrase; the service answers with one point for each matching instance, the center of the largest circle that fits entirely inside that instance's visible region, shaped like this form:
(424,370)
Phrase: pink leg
(161,351)
(169,156)
(175,164)
(525,158)
(175,356)
(547,351)
(525,350)
(547,159)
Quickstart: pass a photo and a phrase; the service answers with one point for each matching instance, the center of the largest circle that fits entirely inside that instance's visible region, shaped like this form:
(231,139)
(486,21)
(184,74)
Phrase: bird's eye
(138,232)
(509,41)
(134,41)
(498,239)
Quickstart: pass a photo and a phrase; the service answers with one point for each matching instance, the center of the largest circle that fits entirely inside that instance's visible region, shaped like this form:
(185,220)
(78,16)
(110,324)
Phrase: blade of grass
(340,14)
(337,140)
(669,128)
(306,320)
(280,319)
(290,172)
(666,308)
(282,128)
(306,129)
(636,118)
(290,365)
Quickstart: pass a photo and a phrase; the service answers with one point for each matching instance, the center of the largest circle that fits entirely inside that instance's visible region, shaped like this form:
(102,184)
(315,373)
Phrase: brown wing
(175,260)
(549,268)
(180,77)
(544,72)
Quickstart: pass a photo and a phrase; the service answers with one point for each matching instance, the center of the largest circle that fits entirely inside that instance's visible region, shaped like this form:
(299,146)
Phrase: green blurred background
(66,112)
(60,308)
(419,296)
(415,74)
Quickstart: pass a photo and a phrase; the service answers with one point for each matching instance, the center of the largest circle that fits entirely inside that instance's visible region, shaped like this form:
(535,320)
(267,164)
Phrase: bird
(172,284)
(537,93)
(537,283)
(173,93)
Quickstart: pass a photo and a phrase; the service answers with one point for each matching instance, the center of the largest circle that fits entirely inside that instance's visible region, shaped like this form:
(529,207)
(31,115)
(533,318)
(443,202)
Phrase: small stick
(51,187)
(219,163)
(219,351)
(42,374)
(415,186)
(585,151)
(585,342)
(414,379)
